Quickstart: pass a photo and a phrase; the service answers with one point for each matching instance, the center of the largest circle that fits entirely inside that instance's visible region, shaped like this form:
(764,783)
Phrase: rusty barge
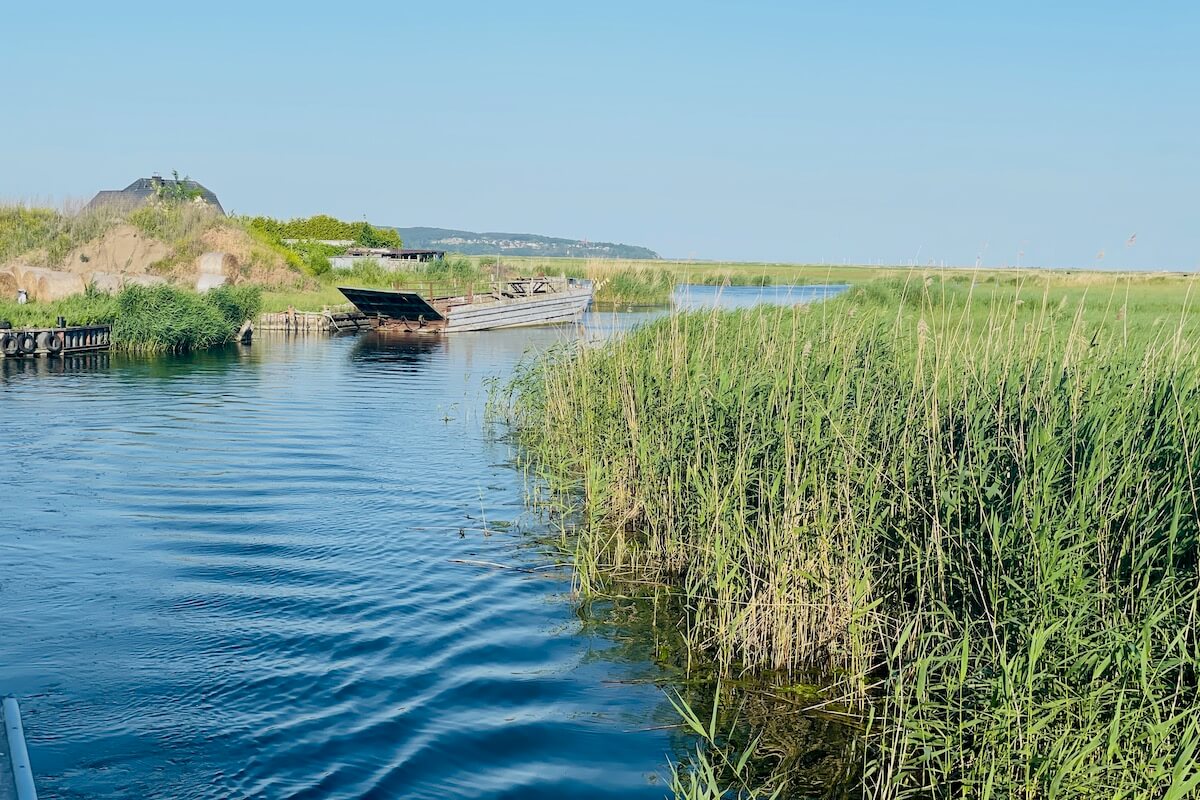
(512,303)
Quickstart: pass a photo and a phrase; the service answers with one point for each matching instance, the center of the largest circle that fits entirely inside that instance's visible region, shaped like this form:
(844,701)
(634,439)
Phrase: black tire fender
(51,342)
(8,344)
(26,343)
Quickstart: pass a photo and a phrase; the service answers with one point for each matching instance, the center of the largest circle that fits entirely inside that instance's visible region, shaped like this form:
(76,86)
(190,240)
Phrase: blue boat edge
(16,772)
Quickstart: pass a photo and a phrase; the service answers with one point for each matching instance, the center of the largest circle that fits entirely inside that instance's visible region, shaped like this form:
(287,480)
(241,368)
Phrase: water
(693,297)
(269,572)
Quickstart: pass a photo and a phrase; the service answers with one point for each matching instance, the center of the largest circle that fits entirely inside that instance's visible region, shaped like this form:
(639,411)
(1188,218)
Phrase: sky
(957,133)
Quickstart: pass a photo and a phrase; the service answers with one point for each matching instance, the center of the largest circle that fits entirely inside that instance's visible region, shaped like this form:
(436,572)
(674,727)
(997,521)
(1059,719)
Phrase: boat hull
(519,312)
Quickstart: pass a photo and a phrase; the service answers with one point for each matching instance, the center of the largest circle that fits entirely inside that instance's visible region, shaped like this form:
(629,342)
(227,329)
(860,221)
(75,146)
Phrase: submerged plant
(713,771)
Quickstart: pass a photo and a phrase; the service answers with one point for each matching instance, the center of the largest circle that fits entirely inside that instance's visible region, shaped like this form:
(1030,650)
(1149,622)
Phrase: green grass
(969,500)
(46,235)
(625,283)
(152,319)
(452,275)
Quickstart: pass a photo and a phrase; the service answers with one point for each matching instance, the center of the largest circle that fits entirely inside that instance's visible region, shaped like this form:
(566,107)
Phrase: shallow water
(691,297)
(240,574)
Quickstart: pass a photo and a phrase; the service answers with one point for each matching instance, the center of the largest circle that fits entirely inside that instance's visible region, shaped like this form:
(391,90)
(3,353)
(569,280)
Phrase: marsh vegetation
(968,502)
(149,319)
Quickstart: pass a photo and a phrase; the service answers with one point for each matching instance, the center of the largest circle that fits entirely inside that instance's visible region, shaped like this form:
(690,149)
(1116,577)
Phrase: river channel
(305,568)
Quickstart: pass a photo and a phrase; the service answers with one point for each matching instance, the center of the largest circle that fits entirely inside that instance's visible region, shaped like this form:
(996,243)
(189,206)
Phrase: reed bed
(150,319)
(974,508)
(162,319)
(619,284)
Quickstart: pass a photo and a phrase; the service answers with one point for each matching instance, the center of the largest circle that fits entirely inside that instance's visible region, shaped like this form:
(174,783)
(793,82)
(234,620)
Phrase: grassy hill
(517,244)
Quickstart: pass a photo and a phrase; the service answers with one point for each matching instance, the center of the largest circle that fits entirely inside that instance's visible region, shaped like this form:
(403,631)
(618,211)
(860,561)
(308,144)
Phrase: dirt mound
(124,255)
(123,249)
(253,263)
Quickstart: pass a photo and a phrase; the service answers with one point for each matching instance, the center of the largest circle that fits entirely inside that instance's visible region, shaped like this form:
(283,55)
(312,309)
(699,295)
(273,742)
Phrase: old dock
(316,321)
(57,341)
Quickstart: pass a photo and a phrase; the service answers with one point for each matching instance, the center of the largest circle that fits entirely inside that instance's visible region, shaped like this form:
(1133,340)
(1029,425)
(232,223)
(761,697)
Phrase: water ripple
(233,575)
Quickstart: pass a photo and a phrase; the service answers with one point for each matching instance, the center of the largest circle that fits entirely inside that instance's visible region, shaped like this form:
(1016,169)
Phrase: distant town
(518,244)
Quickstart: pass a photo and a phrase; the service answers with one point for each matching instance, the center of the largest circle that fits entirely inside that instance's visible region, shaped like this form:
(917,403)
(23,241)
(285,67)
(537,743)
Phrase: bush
(323,227)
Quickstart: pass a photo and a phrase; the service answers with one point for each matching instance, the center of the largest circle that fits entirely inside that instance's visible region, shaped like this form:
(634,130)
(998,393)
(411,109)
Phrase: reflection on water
(32,367)
(281,570)
(396,347)
(241,574)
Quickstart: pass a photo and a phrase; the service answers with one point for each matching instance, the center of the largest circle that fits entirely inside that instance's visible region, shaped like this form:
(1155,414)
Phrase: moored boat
(513,303)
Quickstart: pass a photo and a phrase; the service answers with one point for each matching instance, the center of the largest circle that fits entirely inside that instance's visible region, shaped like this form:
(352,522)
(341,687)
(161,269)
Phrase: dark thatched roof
(143,190)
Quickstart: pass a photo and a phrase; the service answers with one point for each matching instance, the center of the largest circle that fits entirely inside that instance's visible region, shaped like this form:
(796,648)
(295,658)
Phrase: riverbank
(967,503)
(647,283)
(623,285)
(149,319)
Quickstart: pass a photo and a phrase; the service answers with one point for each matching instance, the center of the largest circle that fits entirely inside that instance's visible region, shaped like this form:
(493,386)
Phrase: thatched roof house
(143,190)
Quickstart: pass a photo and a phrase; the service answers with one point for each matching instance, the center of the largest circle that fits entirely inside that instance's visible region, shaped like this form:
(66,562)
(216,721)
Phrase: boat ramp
(292,321)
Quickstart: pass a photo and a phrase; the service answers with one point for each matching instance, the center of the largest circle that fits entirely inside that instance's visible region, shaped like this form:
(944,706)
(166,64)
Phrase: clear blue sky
(782,131)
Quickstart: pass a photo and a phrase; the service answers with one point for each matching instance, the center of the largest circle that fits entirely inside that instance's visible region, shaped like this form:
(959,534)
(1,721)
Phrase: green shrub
(90,308)
(323,227)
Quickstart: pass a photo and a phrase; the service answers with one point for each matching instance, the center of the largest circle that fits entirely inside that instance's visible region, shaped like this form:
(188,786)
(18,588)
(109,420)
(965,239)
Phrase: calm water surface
(693,297)
(239,574)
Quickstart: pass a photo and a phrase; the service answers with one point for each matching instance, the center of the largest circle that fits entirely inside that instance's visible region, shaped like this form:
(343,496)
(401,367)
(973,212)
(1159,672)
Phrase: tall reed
(149,319)
(976,509)
(158,319)
(621,283)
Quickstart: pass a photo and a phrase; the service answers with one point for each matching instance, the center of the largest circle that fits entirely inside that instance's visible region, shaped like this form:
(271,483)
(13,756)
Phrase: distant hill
(516,244)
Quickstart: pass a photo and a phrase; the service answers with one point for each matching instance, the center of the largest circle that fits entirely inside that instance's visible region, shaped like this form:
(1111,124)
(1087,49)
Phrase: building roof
(143,190)
(391,252)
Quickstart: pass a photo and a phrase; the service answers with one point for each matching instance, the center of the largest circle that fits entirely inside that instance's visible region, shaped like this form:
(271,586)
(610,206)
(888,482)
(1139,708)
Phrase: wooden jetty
(329,321)
(16,773)
(59,341)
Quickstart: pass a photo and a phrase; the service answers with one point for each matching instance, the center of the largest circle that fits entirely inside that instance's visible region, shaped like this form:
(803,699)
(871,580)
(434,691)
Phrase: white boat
(510,304)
